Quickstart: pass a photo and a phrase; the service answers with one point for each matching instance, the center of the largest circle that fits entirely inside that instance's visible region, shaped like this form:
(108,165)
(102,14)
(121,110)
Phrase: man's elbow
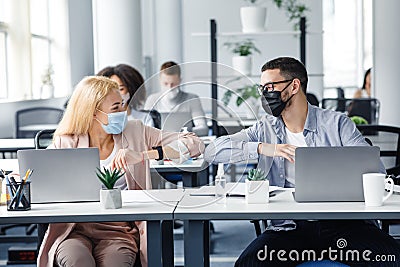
(210,153)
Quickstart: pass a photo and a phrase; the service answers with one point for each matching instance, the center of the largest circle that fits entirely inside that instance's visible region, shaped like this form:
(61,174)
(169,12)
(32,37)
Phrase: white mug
(374,189)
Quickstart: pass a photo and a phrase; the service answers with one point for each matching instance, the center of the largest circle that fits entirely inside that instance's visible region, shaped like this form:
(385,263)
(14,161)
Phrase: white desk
(158,214)
(12,145)
(9,164)
(198,210)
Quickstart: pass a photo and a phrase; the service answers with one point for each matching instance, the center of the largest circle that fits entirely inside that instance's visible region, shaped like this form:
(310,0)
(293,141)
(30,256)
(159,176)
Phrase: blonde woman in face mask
(95,118)
(132,90)
(172,99)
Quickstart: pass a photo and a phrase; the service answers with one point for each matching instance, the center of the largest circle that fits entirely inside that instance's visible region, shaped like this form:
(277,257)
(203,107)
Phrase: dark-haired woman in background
(132,90)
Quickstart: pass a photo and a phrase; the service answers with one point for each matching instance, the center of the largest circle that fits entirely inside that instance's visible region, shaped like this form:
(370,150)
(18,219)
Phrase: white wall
(386,66)
(196,18)
(117,33)
(80,39)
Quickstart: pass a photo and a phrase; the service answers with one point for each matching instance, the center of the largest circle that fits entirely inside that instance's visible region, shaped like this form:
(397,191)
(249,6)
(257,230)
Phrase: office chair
(31,120)
(368,108)
(386,131)
(312,99)
(155,115)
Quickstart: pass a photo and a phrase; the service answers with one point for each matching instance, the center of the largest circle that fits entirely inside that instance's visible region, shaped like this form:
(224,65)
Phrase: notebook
(175,121)
(62,175)
(333,173)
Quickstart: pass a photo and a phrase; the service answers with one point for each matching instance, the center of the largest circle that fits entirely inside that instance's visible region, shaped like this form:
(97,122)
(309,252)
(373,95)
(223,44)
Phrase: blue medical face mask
(116,122)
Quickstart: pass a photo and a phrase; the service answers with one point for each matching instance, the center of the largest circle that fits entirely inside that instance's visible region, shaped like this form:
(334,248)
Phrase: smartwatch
(160,152)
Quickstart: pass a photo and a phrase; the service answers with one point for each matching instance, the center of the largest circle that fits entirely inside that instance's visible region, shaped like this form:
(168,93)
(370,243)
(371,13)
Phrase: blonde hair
(88,95)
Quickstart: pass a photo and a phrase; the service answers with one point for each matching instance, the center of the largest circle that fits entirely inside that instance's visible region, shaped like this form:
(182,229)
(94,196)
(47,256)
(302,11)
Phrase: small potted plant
(110,197)
(257,187)
(243,49)
(247,94)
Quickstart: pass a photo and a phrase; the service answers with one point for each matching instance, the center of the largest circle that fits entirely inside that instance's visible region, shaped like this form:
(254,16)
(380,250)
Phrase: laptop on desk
(325,174)
(62,175)
(175,121)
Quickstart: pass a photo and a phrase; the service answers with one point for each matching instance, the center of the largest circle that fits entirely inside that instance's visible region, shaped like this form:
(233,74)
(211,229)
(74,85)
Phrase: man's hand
(277,150)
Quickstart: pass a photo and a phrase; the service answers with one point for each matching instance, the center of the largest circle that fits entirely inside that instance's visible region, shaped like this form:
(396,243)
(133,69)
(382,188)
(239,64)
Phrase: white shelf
(228,34)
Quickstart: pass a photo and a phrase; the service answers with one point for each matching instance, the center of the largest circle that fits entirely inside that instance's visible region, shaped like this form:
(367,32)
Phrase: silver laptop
(175,121)
(333,173)
(62,175)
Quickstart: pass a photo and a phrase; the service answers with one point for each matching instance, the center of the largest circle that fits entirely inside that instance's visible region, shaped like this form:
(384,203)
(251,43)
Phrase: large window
(347,42)
(33,44)
(41,45)
(3,50)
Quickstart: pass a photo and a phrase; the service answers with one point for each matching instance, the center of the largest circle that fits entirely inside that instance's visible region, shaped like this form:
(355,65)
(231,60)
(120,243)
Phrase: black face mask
(272,102)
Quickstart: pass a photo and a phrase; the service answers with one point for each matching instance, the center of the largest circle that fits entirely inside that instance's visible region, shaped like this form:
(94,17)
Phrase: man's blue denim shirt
(322,128)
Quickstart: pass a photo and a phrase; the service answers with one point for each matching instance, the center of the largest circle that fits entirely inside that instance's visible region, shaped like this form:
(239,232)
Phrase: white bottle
(220,185)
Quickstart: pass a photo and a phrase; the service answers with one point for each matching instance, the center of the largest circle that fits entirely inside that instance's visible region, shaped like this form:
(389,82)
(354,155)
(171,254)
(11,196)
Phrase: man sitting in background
(171,98)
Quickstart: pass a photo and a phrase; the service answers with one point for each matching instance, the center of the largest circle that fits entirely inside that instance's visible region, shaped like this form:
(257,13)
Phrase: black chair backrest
(368,108)
(43,138)
(39,116)
(155,115)
(312,99)
(385,132)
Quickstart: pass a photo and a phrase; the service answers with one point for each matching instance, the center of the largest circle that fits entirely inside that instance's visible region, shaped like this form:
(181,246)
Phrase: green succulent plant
(256,175)
(109,178)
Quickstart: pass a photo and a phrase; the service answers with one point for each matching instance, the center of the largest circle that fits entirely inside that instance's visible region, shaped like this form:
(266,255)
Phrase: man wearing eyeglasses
(292,122)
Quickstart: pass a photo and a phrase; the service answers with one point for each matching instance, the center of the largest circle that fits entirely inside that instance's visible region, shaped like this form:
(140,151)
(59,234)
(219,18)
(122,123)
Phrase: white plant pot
(111,198)
(253,18)
(241,65)
(257,192)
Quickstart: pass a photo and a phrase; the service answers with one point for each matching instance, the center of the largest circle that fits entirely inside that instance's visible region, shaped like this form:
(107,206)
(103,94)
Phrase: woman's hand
(124,157)
(277,150)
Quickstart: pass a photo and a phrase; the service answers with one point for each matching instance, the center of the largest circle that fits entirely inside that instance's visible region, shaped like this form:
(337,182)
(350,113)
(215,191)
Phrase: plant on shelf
(242,48)
(243,93)
(294,9)
(256,175)
(110,198)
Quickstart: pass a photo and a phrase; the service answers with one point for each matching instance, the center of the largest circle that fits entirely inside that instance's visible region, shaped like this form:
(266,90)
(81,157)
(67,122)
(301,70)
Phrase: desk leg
(196,243)
(167,243)
(195,179)
(156,242)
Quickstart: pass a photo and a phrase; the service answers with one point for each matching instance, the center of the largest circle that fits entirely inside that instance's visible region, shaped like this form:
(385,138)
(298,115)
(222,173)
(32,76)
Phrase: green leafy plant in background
(242,48)
(294,10)
(243,93)
(109,178)
(256,175)
(359,120)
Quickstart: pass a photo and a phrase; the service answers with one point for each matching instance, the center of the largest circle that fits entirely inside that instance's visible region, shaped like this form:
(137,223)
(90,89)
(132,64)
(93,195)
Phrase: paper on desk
(233,189)
(143,196)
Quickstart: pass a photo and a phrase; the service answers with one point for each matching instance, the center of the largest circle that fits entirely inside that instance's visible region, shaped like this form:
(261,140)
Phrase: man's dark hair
(170,68)
(289,68)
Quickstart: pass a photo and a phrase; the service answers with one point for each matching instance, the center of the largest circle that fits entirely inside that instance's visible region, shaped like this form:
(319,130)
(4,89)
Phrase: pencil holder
(18,196)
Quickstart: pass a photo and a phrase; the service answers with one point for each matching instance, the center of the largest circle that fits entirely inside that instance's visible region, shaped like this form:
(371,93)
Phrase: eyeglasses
(270,86)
